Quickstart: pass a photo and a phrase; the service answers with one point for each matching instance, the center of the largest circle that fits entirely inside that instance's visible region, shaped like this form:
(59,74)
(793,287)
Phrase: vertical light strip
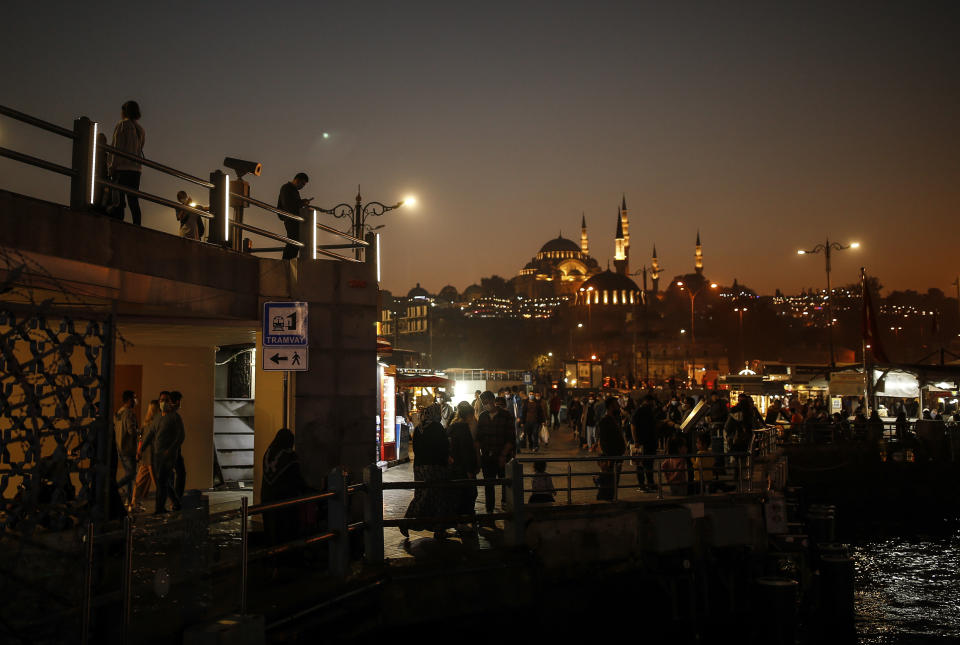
(93,163)
(226,207)
(378,258)
(313,229)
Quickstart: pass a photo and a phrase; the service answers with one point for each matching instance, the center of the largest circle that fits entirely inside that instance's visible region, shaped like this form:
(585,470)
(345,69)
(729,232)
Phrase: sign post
(285,343)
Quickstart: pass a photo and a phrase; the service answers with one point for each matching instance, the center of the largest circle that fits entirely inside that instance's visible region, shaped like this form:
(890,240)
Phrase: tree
(496,287)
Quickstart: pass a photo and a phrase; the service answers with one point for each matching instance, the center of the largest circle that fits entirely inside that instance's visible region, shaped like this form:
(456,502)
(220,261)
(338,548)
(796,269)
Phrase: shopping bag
(544,434)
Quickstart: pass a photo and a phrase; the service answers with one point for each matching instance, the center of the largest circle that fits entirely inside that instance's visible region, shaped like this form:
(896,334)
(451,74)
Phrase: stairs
(233,440)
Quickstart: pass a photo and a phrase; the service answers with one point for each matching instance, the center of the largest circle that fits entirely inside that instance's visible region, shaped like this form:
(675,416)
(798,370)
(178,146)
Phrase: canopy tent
(418,380)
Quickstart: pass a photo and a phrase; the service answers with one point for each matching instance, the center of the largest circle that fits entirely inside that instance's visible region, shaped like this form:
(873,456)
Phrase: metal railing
(88,173)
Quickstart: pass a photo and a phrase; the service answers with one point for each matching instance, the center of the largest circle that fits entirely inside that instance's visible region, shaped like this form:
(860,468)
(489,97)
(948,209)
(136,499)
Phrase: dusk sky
(766,125)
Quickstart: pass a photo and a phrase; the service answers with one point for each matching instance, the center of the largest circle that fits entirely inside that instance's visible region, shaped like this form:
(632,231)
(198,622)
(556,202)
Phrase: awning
(384,348)
(424,381)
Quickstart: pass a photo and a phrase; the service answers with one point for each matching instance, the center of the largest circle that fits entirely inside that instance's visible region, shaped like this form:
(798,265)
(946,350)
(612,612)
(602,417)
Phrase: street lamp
(359,212)
(587,294)
(693,296)
(827,247)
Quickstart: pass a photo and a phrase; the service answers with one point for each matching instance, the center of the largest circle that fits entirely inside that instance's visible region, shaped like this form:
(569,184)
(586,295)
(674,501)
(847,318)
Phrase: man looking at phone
(290,202)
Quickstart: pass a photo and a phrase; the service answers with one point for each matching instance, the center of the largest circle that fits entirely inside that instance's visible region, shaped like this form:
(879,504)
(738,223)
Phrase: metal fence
(88,179)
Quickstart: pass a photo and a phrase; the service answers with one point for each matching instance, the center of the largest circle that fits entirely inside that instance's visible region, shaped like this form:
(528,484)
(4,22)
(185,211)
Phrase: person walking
(464,461)
(555,405)
(290,201)
(128,136)
(497,444)
(145,457)
(533,416)
(590,420)
(125,429)
(431,450)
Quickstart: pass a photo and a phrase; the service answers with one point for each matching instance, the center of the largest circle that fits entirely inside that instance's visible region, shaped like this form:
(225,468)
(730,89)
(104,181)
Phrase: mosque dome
(418,292)
(609,288)
(560,244)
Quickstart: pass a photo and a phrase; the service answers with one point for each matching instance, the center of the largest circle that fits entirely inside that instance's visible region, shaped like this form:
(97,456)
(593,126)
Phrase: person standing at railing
(129,136)
(495,432)
(675,467)
(281,480)
(901,426)
(643,428)
(191,225)
(703,466)
(290,201)
(611,443)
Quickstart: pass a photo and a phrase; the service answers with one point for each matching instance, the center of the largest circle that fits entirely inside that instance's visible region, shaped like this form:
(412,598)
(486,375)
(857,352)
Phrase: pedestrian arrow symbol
(294,359)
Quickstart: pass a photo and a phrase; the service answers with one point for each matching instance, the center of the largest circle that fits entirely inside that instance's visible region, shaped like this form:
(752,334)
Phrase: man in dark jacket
(289,201)
(165,438)
(643,427)
(497,443)
(610,439)
(533,415)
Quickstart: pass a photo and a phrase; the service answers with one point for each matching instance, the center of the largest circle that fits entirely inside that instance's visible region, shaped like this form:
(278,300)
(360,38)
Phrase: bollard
(373,515)
(836,610)
(776,610)
(339,561)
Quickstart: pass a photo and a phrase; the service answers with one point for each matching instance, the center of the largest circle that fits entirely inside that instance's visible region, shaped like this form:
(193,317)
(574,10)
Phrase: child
(542,485)
(704,465)
(675,468)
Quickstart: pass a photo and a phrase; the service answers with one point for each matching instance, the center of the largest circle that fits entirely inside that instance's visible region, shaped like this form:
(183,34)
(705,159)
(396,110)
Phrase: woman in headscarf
(281,480)
(431,463)
(465,460)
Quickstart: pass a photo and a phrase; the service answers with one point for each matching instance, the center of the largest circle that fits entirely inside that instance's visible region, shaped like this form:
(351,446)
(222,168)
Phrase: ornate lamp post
(827,247)
(359,212)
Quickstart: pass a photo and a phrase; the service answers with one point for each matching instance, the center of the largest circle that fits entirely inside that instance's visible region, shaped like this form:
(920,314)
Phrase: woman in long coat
(431,463)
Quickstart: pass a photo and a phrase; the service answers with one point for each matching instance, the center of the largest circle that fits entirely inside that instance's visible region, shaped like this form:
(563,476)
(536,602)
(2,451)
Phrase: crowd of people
(149,452)
(480,438)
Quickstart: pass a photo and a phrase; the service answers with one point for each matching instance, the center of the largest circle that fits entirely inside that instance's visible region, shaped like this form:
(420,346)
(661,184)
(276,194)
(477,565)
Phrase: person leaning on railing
(610,440)
(289,201)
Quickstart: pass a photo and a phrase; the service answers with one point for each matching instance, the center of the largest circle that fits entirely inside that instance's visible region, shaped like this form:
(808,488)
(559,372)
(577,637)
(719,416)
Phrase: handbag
(544,434)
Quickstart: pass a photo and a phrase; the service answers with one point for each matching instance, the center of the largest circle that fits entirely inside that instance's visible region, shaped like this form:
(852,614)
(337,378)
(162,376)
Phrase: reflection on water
(908,589)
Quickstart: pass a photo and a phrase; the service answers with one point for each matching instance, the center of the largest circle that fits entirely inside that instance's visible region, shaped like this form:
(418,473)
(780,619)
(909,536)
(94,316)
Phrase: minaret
(655,270)
(619,249)
(698,256)
(626,231)
(584,244)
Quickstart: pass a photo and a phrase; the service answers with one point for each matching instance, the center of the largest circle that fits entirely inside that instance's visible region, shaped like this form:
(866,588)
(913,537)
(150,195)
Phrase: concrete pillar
(335,401)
